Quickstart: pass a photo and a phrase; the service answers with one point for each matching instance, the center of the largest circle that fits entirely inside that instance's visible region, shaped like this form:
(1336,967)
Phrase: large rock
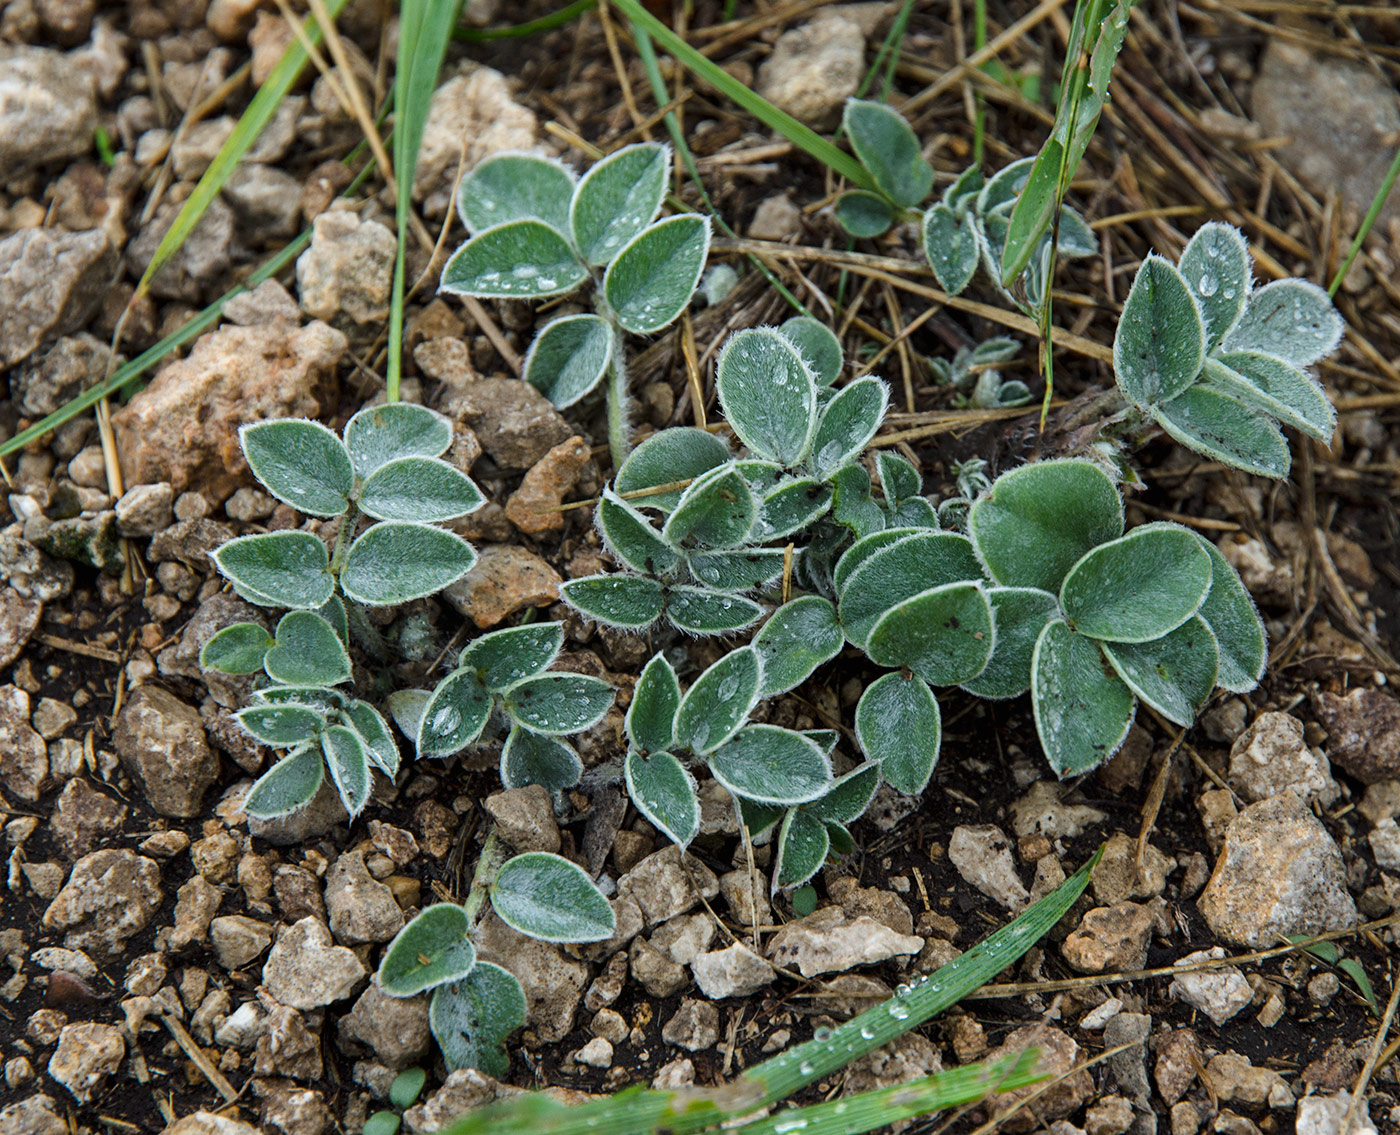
(161,742)
(24,758)
(48,109)
(1279,873)
(1340,118)
(814,69)
(1365,733)
(306,970)
(395,1029)
(51,283)
(87,1054)
(345,276)
(475,113)
(183,428)
(110,895)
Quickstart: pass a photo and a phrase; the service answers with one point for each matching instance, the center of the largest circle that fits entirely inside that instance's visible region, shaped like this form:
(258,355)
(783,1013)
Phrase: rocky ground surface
(167,961)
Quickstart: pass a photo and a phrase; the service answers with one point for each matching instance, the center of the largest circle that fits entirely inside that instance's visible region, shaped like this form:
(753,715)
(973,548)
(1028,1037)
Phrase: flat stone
(506,578)
(1178,1056)
(306,970)
(87,1054)
(1235,1080)
(37,1115)
(238,939)
(110,895)
(662,888)
(19,619)
(1326,1114)
(694,1026)
(395,1029)
(200,268)
(1279,873)
(813,69)
(210,1123)
(51,283)
(161,742)
(735,971)
(183,427)
(1110,938)
(982,855)
(48,109)
(1118,877)
(1218,993)
(24,757)
(829,942)
(64,371)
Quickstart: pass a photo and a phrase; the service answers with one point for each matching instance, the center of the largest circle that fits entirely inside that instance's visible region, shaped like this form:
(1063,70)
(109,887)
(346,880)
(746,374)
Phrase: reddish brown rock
(1365,733)
(505,579)
(183,428)
(534,507)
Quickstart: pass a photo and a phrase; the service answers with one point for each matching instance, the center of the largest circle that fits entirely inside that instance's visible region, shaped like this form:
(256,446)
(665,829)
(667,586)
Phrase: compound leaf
(944,635)
(395,561)
(651,718)
(547,897)
(701,611)
(516,187)
(799,636)
(307,652)
(503,657)
(1035,522)
(516,260)
(1082,709)
(771,765)
(1160,345)
(287,786)
(679,454)
(301,463)
(1019,613)
(665,794)
(432,949)
(617,199)
(719,700)
(1174,674)
(820,348)
(1239,632)
(1216,268)
(651,281)
(569,358)
(1214,424)
(472,1018)
(278,569)
(623,600)
(453,716)
(1294,320)
(888,147)
(397,429)
(768,395)
(898,725)
(532,758)
(236,649)
(558,703)
(1139,587)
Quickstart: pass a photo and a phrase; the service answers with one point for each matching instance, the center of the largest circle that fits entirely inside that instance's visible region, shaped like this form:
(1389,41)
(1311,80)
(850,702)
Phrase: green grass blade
(639,1111)
(425,29)
(129,372)
(260,111)
(1377,204)
(867,1111)
(1096,37)
(529,27)
(804,137)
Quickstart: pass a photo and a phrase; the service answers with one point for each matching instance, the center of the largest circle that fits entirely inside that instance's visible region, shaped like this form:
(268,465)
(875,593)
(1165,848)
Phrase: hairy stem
(619,400)
(488,866)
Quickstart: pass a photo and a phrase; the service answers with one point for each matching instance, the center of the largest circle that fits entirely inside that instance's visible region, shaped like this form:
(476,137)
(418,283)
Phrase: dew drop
(1208,285)
(822,1034)
(867,1033)
(899,1012)
(807,1068)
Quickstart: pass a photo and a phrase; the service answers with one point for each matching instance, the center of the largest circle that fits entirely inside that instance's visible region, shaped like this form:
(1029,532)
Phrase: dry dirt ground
(139,907)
